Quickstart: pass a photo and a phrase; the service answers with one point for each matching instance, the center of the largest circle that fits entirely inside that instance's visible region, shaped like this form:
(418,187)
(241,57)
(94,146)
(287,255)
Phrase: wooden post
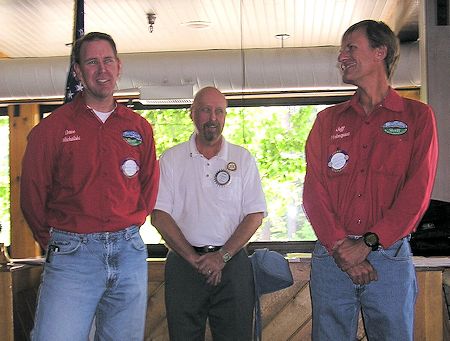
(22,118)
(428,324)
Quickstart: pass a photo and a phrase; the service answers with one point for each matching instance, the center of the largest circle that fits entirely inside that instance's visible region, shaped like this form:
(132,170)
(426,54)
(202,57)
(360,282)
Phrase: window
(4,182)
(276,136)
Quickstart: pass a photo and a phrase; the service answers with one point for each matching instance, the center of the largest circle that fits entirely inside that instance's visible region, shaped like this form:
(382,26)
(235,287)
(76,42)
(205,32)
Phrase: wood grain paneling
(21,120)
(286,314)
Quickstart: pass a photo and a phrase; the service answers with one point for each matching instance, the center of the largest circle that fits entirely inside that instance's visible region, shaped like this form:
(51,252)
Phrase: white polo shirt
(209,198)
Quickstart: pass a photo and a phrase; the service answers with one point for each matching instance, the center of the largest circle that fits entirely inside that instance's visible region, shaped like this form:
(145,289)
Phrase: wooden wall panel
(429,302)
(290,318)
(286,313)
(6,307)
(21,120)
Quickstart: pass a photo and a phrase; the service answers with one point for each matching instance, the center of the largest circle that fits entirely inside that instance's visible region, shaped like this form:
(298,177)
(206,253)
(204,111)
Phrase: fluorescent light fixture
(197,24)
(166,94)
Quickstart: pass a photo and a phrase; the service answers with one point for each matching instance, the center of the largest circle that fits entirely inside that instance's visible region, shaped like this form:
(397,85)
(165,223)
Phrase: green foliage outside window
(4,181)
(276,136)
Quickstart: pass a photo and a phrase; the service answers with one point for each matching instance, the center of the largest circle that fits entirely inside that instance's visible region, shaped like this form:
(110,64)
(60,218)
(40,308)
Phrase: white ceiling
(44,28)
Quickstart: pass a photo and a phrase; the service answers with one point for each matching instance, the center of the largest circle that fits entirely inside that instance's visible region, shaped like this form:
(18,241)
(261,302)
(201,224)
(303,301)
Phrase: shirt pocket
(231,191)
(392,155)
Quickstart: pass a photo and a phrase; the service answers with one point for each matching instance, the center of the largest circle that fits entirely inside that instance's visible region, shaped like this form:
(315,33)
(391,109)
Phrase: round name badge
(222,177)
(129,168)
(338,160)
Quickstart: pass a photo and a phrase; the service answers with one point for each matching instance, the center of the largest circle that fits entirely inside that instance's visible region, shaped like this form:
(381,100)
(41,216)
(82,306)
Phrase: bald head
(208,113)
(207,92)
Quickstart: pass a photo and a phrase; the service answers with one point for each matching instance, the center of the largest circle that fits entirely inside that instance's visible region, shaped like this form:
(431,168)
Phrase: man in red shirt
(371,163)
(89,180)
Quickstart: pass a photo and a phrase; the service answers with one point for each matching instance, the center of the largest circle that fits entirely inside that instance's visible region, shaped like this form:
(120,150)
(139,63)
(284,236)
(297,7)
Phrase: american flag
(73,85)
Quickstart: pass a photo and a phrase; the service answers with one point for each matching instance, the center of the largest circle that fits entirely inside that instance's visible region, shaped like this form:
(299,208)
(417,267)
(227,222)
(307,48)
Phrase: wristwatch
(226,256)
(371,240)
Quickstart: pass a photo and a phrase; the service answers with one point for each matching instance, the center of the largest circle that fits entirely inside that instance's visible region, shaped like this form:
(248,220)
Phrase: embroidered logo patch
(338,160)
(133,138)
(395,128)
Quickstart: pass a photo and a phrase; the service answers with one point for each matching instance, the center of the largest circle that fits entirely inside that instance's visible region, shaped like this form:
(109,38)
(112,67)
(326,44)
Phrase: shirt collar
(80,107)
(193,151)
(393,102)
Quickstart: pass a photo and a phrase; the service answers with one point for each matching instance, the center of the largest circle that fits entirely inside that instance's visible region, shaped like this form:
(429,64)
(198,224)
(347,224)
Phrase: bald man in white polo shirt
(210,203)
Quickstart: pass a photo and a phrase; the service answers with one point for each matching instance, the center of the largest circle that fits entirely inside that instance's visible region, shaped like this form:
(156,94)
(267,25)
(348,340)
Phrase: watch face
(371,239)
(226,257)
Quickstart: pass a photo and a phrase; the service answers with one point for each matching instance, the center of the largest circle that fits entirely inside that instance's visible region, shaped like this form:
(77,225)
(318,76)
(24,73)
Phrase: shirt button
(207,175)
(359,195)
(364,146)
(359,221)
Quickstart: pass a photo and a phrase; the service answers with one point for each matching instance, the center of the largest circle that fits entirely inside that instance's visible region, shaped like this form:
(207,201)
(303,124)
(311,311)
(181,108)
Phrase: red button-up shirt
(81,175)
(370,173)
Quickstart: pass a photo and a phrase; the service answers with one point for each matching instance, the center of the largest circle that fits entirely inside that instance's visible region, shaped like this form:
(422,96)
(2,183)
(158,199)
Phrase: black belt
(207,248)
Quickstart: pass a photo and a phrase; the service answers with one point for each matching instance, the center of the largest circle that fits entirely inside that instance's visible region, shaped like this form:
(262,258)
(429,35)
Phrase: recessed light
(197,24)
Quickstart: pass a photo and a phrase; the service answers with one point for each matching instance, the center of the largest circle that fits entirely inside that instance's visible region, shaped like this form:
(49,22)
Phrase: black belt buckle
(206,248)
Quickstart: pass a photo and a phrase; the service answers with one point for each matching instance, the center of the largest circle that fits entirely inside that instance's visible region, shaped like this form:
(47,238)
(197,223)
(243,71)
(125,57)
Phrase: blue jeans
(98,274)
(387,304)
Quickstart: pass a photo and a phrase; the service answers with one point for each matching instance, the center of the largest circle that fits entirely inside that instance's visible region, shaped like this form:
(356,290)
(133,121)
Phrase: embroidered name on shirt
(340,133)
(71,138)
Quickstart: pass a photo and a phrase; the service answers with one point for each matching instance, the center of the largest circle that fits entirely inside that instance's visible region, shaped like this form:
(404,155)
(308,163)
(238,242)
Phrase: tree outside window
(276,136)
(4,182)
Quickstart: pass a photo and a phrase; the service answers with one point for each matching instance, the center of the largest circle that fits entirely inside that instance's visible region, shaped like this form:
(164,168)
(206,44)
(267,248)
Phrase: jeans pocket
(137,242)
(66,246)
(399,251)
(62,247)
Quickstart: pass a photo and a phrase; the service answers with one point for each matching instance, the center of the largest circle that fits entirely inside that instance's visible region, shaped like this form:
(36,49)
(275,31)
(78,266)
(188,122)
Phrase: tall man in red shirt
(89,180)
(371,163)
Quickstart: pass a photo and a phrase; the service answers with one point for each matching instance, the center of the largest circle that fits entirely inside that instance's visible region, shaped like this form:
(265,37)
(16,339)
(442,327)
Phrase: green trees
(276,137)
(4,181)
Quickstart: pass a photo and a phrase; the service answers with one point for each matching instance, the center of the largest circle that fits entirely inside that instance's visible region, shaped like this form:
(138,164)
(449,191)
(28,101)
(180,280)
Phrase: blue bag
(271,273)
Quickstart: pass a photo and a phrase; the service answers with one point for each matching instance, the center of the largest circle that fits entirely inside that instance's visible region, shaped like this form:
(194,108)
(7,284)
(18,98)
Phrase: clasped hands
(350,256)
(210,265)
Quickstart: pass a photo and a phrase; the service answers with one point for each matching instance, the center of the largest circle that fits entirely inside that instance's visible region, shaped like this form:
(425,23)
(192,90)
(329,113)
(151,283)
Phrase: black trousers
(190,301)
